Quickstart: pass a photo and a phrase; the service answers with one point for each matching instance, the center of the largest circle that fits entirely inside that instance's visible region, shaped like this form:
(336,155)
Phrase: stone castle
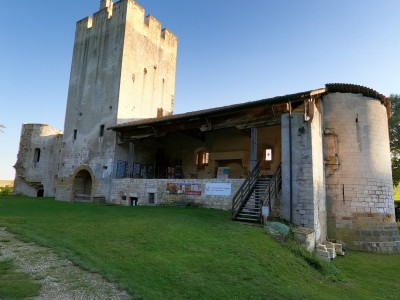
(318,158)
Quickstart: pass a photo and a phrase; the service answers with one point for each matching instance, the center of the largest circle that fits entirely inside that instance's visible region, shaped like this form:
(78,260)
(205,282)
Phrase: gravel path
(60,278)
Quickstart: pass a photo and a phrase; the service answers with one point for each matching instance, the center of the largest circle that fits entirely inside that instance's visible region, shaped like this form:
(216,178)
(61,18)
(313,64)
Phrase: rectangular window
(101,130)
(75,133)
(268,154)
(36,155)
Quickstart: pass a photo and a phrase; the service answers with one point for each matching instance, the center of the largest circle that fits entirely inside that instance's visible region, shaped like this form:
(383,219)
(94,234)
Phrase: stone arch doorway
(82,186)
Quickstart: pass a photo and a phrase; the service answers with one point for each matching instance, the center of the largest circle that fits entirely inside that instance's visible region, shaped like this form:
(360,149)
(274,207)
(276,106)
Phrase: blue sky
(229,51)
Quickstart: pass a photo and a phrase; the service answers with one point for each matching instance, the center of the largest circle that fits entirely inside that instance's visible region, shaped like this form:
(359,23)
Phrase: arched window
(201,157)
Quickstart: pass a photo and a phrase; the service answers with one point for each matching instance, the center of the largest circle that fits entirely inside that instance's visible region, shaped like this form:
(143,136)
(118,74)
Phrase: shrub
(6,191)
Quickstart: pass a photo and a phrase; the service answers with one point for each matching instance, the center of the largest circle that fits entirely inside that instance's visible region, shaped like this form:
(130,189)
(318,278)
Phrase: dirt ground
(60,278)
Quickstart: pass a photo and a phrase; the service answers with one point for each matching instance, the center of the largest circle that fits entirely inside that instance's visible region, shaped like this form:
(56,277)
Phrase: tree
(394,134)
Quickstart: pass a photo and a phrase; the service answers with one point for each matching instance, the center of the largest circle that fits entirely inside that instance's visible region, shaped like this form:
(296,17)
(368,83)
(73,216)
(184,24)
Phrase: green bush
(6,191)
(397,209)
(397,212)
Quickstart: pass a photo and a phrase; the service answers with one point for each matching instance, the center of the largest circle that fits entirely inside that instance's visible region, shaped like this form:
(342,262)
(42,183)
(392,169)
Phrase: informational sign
(218,189)
(183,188)
(223,173)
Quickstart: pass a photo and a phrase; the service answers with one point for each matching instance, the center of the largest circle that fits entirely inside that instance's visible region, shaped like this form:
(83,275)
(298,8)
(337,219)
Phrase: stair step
(250,223)
(249,214)
(256,202)
(248,220)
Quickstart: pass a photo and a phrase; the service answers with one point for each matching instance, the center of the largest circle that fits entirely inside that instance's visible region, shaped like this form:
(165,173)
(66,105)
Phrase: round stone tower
(358,169)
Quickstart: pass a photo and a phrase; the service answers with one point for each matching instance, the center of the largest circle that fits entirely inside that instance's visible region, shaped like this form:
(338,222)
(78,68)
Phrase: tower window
(75,133)
(36,155)
(101,130)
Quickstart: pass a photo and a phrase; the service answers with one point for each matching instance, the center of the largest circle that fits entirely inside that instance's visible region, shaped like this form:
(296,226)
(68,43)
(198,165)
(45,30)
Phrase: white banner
(218,189)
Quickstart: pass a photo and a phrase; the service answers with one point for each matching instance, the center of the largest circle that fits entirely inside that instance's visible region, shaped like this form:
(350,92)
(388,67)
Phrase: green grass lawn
(190,253)
(15,285)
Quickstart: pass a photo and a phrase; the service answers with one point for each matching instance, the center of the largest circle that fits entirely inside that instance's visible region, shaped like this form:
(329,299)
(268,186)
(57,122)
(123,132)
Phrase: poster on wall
(183,188)
(223,173)
(218,189)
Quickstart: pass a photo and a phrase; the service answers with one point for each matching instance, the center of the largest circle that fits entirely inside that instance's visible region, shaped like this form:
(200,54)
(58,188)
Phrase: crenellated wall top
(120,11)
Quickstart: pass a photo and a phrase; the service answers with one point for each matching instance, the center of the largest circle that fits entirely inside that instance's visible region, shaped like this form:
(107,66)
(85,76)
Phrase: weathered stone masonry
(359,187)
(123,68)
(36,165)
(123,190)
(122,144)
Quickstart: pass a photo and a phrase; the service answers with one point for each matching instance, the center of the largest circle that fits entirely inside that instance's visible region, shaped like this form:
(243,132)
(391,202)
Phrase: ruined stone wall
(37,160)
(108,53)
(359,179)
(124,189)
(308,181)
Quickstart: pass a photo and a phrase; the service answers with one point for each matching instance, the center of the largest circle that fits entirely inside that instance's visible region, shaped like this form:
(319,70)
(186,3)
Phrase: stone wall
(123,190)
(359,179)
(123,68)
(308,181)
(37,160)
(148,67)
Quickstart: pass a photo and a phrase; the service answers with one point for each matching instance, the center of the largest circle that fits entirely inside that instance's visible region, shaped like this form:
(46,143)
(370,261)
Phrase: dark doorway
(134,201)
(162,164)
(151,198)
(83,186)
(40,193)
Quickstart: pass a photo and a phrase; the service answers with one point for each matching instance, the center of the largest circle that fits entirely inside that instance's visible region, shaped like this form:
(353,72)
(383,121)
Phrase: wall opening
(201,157)
(36,155)
(40,193)
(101,130)
(82,186)
(268,154)
(133,201)
(151,198)
(234,167)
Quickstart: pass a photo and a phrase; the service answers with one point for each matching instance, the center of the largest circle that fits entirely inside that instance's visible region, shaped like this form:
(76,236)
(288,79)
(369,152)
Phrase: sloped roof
(268,103)
(217,110)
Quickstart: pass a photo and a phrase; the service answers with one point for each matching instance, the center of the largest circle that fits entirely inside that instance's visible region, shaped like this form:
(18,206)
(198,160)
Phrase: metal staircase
(253,195)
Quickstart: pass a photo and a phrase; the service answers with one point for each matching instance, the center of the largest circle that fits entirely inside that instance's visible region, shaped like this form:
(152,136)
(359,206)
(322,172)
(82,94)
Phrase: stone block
(306,237)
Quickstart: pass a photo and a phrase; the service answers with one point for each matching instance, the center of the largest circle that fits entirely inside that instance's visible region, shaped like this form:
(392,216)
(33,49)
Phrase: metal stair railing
(273,188)
(243,194)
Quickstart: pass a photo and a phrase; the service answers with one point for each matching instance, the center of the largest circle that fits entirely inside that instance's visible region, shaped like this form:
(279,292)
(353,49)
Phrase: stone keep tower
(123,68)
(358,175)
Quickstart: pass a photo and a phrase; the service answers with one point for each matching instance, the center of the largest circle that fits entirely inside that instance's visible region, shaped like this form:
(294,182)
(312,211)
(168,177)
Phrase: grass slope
(189,253)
